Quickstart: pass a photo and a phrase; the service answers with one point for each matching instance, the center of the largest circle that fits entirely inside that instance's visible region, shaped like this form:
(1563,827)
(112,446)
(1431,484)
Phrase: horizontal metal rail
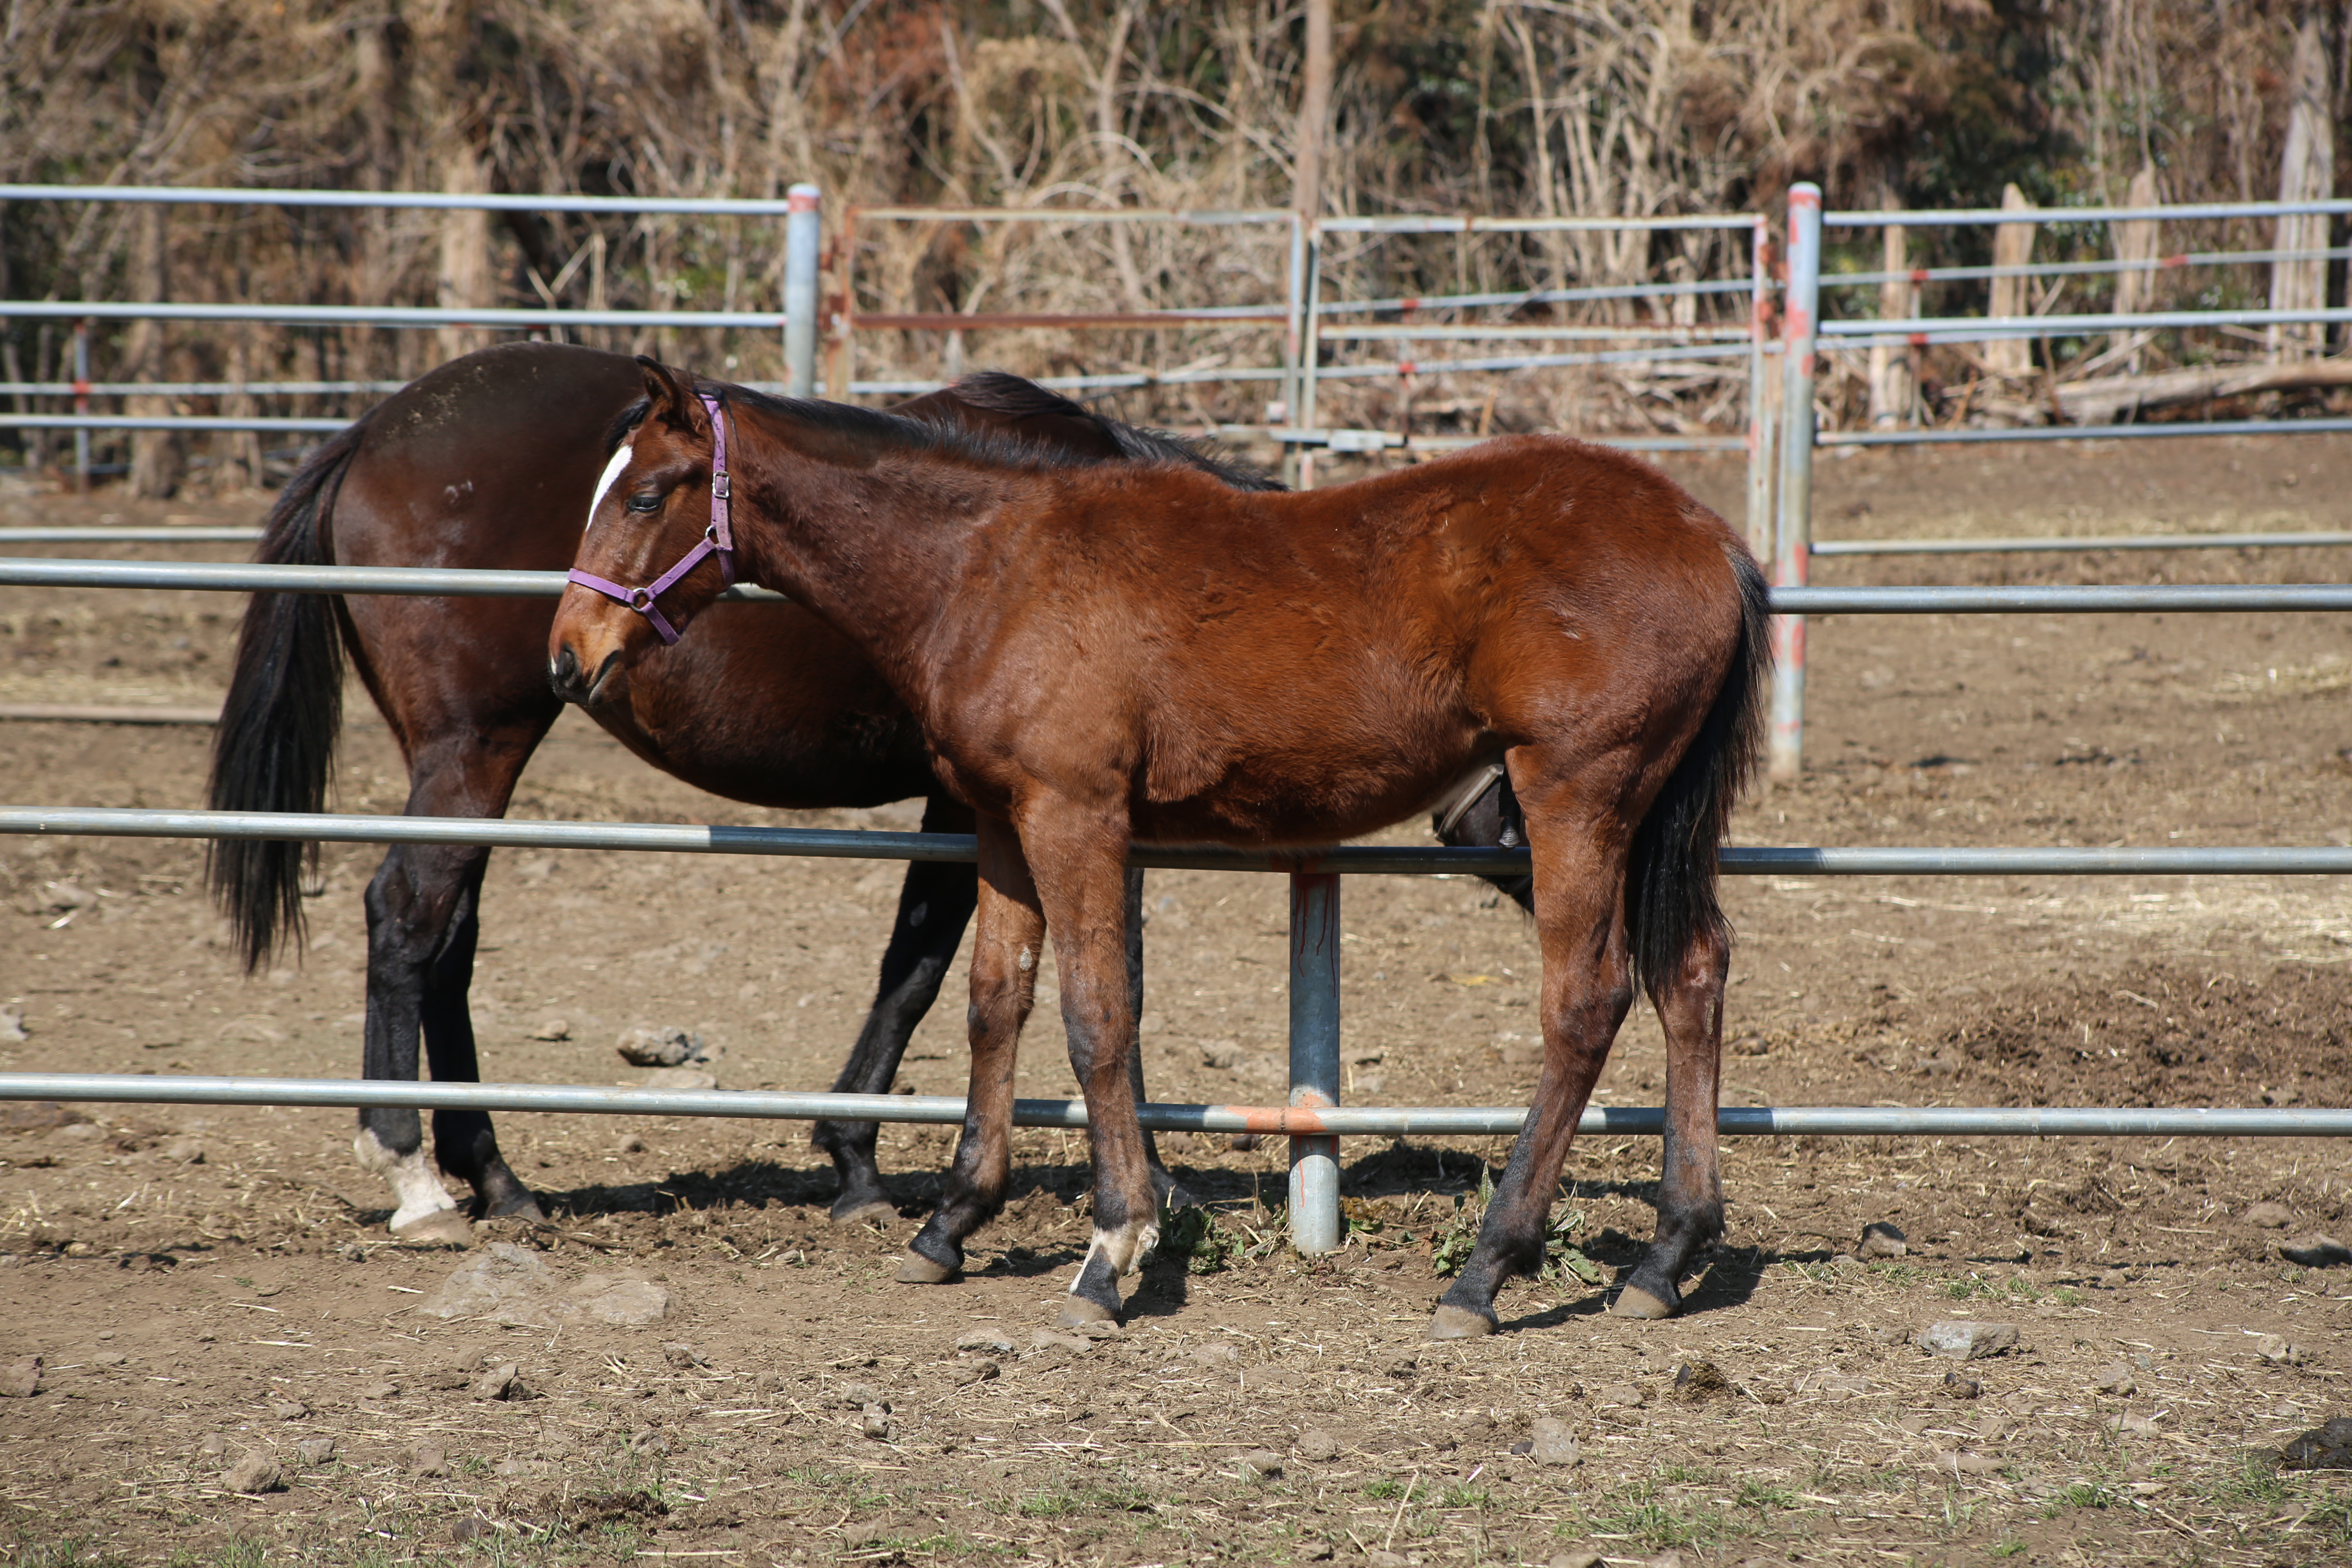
(125,533)
(429,582)
(981,322)
(2188,212)
(1364,860)
(1970,328)
(320,424)
(2078,269)
(1477,223)
(380,315)
(197,388)
(2149,432)
(1213,218)
(939,1109)
(1343,440)
(2089,542)
(483,201)
(1522,297)
(1498,332)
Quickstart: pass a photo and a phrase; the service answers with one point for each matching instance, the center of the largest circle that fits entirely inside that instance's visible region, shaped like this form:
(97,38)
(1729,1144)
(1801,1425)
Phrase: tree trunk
(2306,174)
(157,457)
(2136,241)
(1892,373)
(443,34)
(2012,246)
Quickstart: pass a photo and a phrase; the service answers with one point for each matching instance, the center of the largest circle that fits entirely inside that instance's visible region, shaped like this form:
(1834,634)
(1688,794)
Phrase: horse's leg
(1164,1184)
(422,910)
(1579,846)
(1007,943)
(935,904)
(1088,907)
(1690,1195)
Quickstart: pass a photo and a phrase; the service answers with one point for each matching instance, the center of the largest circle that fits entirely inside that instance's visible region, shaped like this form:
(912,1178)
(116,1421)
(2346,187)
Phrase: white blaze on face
(620,460)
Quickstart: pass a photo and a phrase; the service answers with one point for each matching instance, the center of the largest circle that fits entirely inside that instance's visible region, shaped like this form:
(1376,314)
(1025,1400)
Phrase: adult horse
(481,463)
(1104,656)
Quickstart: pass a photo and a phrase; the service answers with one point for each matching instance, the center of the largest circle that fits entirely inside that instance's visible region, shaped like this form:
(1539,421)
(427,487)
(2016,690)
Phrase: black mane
(997,392)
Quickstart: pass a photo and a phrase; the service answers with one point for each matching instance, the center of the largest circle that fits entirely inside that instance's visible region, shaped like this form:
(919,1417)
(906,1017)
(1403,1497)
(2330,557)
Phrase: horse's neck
(875,550)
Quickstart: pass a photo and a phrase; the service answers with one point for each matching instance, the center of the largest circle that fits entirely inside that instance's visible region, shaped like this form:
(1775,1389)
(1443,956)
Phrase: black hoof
(1650,1292)
(1095,1297)
(500,1194)
(931,1259)
(870,1208)
(1170,1191)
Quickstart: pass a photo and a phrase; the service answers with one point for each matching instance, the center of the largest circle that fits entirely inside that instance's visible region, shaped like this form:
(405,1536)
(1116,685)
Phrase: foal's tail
(1671,877)
(277,726)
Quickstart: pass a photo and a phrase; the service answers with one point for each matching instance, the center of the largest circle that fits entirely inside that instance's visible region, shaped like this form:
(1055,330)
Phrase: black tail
(276,744)
(1671,877)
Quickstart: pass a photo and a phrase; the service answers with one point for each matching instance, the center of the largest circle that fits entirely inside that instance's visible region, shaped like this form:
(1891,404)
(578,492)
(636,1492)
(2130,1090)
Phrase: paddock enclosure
(793,1405)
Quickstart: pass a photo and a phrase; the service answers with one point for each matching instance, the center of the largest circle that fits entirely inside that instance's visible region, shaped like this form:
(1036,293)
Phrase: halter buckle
(721,489)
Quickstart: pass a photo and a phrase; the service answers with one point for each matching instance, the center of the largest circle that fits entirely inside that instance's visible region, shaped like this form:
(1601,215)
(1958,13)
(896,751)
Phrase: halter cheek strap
(719,540)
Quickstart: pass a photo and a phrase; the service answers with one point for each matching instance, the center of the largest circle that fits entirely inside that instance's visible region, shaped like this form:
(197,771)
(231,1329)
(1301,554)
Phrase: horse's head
(658,545)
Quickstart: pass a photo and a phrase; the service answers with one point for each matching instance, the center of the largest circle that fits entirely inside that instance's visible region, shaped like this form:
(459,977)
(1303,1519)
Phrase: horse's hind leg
(1690,1195)
(1007,948)
(464,1144)
(935,905)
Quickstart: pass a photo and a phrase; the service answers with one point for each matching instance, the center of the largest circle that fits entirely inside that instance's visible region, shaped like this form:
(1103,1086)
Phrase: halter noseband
(717,540)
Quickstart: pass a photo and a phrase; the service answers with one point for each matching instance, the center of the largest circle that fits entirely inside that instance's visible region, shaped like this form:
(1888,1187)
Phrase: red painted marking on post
(1919,275)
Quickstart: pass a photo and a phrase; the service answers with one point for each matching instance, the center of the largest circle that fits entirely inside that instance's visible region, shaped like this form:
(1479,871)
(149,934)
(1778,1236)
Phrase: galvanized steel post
(1793,536)
(1315,1057)
(803,232)
(81,404)
(1310,355)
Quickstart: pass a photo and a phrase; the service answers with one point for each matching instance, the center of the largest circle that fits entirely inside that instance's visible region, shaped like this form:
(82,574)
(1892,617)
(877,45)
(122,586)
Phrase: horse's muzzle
(572,682)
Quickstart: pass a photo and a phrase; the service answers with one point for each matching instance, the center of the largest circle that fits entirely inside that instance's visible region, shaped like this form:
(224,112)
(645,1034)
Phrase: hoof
(864,1211)
(526,1208)
(1077,1311)
(1459,1323)
(917,1269)
(1635,1302)
(443,1228)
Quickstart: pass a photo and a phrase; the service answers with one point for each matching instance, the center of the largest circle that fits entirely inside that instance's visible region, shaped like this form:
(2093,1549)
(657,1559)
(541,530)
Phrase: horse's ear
(668,396)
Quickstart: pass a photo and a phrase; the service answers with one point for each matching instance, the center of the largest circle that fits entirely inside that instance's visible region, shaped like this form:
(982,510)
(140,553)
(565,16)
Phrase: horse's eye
(644,501)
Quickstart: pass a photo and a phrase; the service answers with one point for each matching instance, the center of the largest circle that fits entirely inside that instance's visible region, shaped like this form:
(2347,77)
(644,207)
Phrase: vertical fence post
(803,232)
(1763,411)
(1310,351)
(81,404)
(1315,1057)
(1793,541)
(841,317)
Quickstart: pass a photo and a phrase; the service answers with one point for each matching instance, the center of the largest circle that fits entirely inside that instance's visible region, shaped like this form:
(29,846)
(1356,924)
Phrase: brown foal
(1099,657)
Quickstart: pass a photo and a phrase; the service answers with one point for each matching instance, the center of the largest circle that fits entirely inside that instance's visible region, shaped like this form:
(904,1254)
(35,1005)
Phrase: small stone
(314,1451)
(1955,1386)
(109,1358)
(289,1409)
(214,1447)
(1220,1053)
(1625,1395)
(1216,1353)
(1967,1464)
(500,1381)
(254,1474)
(473,1527)
(2315,1251)
(630,1144)
(980,1371)
(183,1150)
(1242,1142)
(1315,1551)
(1553,1443)
(1964,1340)
(1882,1239)
(867,1532)
(2267,1216)
(663,1047)
(987,1341)
(2114,1378)
(878,1423)
(1317,1447)
(682,1357)
(858,1395)
(1586,1557)
(428,1459)
(1260,1464)
(1099,1330)
(2131,1423)
(2279,1350)
(20,1379)
(553,1029)
(2113,1278)
(11,1027)
(379,1390)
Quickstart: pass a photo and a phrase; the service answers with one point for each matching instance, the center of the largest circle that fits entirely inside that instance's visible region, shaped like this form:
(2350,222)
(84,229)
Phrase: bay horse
(478,464)
(1135,653)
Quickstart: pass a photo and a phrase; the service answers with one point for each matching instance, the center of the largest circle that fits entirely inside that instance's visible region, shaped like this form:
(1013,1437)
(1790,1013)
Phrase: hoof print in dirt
(1964,1340)
(253,1474)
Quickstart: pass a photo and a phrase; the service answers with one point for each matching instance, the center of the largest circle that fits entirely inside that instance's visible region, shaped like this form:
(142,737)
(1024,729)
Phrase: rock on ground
(315,1451)
(1553,1443)
(1964,1340)
(254,1474)
(1261,1465)
(1317,1447)
(1883,1238)
(510,1284)
(20,1379)
(2270,1216)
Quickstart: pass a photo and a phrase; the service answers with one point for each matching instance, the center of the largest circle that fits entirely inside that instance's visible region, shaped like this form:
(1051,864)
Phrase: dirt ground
(202,1285)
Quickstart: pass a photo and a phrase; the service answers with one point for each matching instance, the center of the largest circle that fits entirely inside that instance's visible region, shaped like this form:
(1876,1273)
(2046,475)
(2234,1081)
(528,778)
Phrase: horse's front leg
(1086,899)
(1008,943)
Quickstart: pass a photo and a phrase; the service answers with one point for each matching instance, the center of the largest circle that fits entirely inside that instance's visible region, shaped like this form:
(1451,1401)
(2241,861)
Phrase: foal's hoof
(917,1269)
(1459,1323)
(442,1227)
(1635,1302)
(1077,1311)
(864,1211)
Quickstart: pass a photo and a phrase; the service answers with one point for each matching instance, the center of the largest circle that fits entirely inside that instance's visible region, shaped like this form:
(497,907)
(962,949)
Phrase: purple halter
(717,540)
